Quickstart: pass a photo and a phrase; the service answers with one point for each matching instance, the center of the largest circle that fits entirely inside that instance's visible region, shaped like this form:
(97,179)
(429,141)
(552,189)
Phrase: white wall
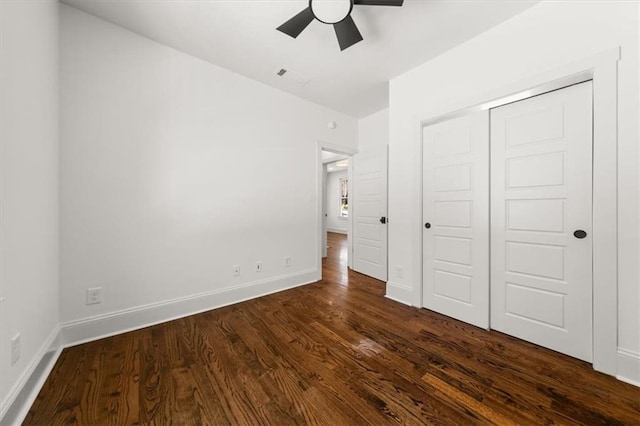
(335,223)
(547,36)
(373,132)
(28,186)
(173,171)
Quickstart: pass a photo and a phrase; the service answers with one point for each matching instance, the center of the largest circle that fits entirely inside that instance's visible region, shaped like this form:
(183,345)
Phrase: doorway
(335,200)
(334,265)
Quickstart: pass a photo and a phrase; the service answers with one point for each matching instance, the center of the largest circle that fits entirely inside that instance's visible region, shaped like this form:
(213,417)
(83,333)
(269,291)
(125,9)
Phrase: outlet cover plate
(94,295)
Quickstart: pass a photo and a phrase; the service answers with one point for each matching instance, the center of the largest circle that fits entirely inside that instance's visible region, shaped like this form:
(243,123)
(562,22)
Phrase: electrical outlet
(15,349)
(236,270)
(400,271)
(94,295)
(258,266)
(287,261)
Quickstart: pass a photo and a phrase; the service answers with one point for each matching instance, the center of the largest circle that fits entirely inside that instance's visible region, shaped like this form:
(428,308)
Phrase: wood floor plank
(154,377)
(489,415)
(223,369)
(335,352)
(117,395)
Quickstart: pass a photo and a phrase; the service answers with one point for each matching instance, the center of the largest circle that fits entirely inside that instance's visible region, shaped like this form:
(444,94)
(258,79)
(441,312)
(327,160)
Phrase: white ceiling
(329,157)
(240,35)
(338,166)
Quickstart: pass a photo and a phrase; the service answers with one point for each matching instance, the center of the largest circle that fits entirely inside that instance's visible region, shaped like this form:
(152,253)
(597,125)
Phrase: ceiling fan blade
(347,33)
(379,2)
(294,26)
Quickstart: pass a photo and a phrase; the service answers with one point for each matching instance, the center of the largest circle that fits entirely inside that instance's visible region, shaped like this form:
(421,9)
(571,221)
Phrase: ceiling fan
(336,13)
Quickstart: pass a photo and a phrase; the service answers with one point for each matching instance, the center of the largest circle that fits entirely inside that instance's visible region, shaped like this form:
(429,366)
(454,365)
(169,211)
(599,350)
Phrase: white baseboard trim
(101,326)
(337,231)
(628,367)
(16,404)
(399,292)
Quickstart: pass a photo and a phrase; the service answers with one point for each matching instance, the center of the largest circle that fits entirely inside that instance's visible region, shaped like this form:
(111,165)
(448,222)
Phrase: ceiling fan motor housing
(333,12)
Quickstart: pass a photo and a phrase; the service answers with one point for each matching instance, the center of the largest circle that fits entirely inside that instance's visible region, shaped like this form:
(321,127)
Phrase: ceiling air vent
(293,76)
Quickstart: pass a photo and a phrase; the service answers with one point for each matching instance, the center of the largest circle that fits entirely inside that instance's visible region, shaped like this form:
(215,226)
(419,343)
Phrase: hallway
(335,264)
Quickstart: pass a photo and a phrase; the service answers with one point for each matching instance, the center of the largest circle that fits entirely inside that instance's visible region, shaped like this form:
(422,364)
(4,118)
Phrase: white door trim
(602,69)
(320,145)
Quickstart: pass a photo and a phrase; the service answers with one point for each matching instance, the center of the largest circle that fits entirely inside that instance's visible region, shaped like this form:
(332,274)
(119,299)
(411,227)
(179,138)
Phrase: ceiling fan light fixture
(336,13)
(330,11)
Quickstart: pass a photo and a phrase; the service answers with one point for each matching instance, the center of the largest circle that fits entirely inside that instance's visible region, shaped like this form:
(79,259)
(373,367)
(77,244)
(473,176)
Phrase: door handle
(580,234)
(383,220)
(427,225)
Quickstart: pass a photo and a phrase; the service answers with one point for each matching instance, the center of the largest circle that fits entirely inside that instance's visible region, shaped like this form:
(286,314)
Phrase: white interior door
(370,213)
(456,218)
(541,192)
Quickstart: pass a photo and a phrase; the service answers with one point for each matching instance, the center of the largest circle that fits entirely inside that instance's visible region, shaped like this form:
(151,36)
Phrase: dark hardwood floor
(335,352)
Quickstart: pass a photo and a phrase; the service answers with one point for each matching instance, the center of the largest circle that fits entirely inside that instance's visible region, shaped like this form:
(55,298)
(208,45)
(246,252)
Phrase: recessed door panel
(455,214)
(452,178)
(535,305)
(540,125)
(524,172)
(535,215)
(372,208)
(452,141)
(369,231)
(369,187)
(453,250)
(369,254)
(538,260)
(449,285)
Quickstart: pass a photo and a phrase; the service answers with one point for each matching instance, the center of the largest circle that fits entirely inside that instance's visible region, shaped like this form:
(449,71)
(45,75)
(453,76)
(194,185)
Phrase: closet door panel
(541,193)
(456,218)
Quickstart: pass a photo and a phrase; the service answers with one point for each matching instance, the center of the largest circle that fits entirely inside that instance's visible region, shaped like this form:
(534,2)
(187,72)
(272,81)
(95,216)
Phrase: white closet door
(541,193)
(456,218)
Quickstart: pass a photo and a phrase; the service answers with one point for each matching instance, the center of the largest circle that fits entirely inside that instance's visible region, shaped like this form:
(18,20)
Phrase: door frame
(350,152)
(602,70)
